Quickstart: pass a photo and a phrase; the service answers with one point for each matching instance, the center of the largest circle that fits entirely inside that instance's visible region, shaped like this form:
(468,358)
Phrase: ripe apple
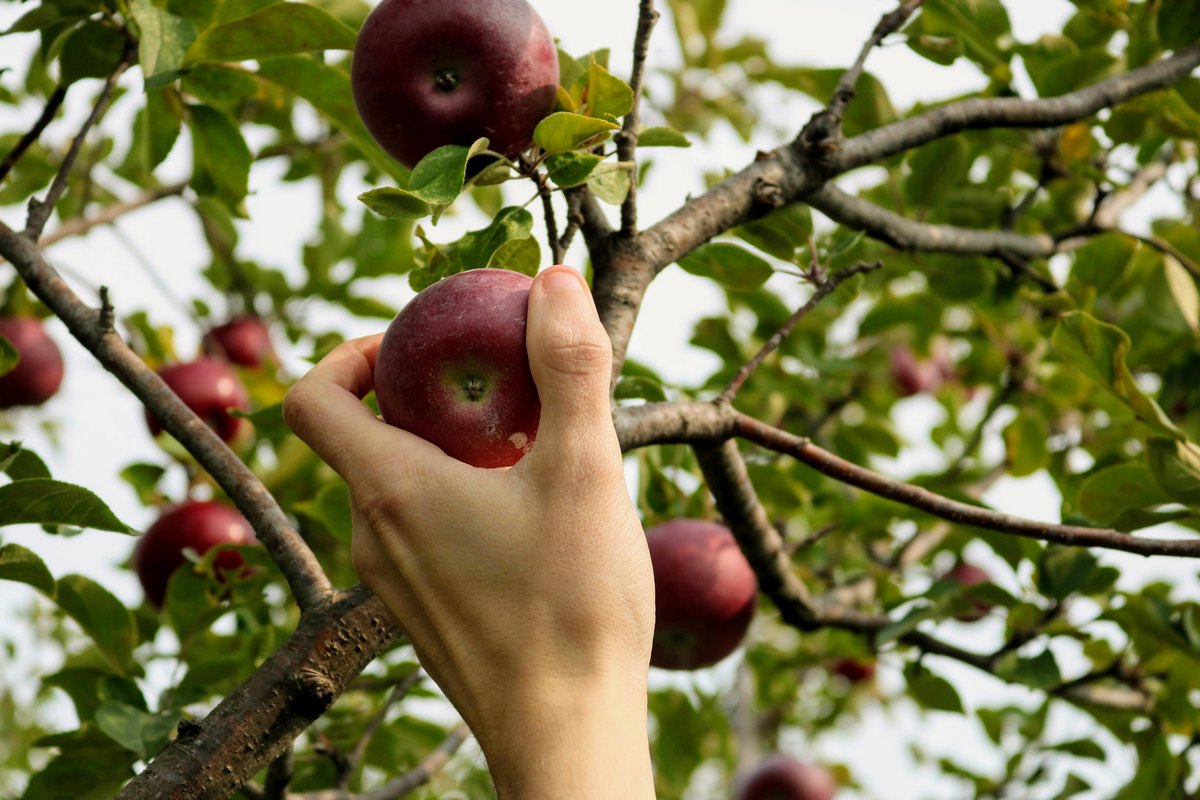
(428,73)
(912,376)
(39,369)
(853,670)
(968,575)
(452,368)
(244,341)
(197,525)
(210,389)
(780,777)
(704,593)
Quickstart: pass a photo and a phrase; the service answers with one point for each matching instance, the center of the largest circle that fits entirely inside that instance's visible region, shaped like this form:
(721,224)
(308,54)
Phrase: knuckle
(576,351)
(296,405)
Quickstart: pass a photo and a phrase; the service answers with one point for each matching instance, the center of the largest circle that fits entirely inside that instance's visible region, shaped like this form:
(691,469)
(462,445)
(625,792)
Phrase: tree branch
(355,757)
(1005,112)
(110,213)
(40,210)
(824,289)
(53,102)
(627,138)
(299,566)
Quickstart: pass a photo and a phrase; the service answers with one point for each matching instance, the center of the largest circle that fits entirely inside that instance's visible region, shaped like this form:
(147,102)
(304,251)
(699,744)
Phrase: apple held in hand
(211,390)
(781,777)
(452,368)
(194,525)
(244,341)
(704,593)
(39,369)
(428,73)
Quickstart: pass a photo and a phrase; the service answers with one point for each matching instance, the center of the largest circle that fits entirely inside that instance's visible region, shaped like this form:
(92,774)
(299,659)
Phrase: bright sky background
(100,427)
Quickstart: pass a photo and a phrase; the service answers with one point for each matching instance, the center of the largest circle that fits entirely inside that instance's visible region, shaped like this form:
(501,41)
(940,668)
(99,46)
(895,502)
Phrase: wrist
(580,740)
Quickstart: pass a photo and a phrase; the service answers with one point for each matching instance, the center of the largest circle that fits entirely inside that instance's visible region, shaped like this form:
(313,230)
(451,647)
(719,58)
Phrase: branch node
(105,320)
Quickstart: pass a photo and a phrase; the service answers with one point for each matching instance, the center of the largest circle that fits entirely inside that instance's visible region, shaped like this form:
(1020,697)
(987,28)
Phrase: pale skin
(527,592)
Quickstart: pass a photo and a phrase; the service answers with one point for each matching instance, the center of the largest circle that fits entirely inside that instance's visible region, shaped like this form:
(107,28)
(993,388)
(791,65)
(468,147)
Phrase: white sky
(100,427)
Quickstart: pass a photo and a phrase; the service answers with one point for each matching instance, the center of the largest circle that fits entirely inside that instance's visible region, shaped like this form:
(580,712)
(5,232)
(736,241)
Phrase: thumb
(570,356)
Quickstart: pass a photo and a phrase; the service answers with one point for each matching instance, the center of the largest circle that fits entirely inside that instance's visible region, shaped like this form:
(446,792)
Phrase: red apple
(428,73)
(199,526)
(244,341)
(968,575)
(853,670)
(39,369)
(780,777)
(452,368)
(911,376)
(210,389)
(704,593)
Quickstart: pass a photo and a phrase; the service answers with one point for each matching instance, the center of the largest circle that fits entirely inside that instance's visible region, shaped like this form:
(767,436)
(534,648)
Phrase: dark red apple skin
(780,777)
(911,376)
(39,370)
(428,73)
(853,670)
(210,389)
(244,341)
(967,575)
(704,592)
(198,525)
(452,368)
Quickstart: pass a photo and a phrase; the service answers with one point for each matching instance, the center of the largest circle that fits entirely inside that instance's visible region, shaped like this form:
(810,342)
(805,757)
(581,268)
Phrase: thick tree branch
(53,102)
(40,210)
(627,138)
(1005,112)
(258,720)
(299,566)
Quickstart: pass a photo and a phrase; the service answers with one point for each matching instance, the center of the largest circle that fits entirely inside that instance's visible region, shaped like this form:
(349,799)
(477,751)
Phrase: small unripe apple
(193,525)
(704,593)
(780,777)
(244,341)
(968,575)
(853,670)
(452,368)
(39,369)
(428,73)
(210,389)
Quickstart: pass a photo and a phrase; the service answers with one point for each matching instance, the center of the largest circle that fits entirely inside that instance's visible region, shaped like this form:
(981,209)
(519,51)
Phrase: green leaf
(328,90)
(1062,571)
(163,40)
(1080,748)
(144,479)
(780,233)
(662,137)
(1039,672)
(932,691)
(1183,289)
(102,617)
(44,501)
(728,265)
(565,131)
(518,255)
(1178,23)
(89,766)
(1025,439)
(392,203)
(610,183)
(8,356)
(1109,493)
(22,565)
(1099,349)
(438,178)
(221,160)
(277,30)
(19,463)
(1102,262)
(190,604)
(135,729)
(936,170)
(608,97)
(636,387)
(331,508)
(92,51)
(571,169)
(1176,467)
(477,247)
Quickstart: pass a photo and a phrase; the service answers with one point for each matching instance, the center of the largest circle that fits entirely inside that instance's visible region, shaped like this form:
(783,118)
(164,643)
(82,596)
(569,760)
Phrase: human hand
(527,592)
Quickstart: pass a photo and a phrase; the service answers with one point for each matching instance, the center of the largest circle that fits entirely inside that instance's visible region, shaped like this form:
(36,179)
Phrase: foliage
(1087,365)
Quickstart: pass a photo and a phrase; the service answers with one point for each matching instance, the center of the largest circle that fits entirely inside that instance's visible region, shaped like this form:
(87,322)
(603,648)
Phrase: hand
(527,592)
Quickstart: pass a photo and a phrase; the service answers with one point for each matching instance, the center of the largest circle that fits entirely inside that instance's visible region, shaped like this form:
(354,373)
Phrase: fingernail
(562,279)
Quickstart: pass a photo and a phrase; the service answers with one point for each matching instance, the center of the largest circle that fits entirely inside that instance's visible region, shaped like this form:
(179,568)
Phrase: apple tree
(973,256)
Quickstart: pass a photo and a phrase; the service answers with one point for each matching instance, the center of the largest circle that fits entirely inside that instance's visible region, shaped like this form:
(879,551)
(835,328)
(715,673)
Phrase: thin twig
(824,289)
(355,757)
(110,213)
(53,102)
(556,249)
(1168,249)
(279,775)
(40,210)
(574,221)
(627,138)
